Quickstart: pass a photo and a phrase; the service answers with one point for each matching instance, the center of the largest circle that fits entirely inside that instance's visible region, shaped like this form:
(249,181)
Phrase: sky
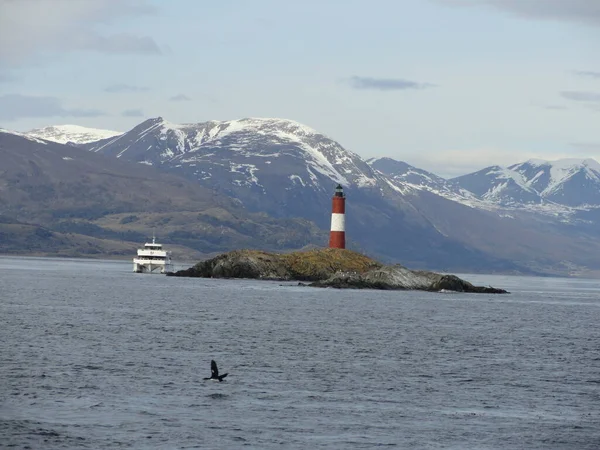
(450,86)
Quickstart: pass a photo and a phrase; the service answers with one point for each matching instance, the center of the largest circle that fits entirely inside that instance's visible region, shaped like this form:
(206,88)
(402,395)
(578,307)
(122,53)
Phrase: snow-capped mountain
(273,165)
(406,175)
(500,186)
(567,182)
(262,140)
(74,134)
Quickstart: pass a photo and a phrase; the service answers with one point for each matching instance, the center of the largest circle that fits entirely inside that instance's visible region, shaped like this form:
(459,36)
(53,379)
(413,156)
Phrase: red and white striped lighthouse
(337,236)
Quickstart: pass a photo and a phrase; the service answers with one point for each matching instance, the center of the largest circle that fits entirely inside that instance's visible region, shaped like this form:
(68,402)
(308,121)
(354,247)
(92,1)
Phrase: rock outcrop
(398,277)
(329,267)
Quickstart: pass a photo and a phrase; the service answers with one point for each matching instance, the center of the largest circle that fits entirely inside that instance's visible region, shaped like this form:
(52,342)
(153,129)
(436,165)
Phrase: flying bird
(214,372)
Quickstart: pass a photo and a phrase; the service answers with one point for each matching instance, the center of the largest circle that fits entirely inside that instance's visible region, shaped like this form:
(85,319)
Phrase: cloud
(386,84)
(581,96)
(586,12)
(133,113)
(118,43)
(16,106)
(30,28)
(180,98)
(587,73)
(120,87)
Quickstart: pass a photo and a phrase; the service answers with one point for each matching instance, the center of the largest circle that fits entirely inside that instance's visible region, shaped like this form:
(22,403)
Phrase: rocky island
(328,267)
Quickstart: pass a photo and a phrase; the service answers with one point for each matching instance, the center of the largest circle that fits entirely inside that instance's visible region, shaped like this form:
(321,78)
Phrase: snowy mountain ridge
(256,141)
(559,172)
(568,182)
(246,147)
(75,134)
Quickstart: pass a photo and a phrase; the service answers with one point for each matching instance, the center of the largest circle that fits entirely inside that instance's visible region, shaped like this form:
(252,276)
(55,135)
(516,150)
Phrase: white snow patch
(535,177)
(365,181)
(295,178)
(166,125)
(248,170)
(402,190)
(313,177)
(168,153)
(72,133)
(316,159)
(508,174)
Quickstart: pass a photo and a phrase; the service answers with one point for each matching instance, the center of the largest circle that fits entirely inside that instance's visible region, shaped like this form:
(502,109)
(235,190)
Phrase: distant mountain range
(74,134)
(532,217)
(569,182)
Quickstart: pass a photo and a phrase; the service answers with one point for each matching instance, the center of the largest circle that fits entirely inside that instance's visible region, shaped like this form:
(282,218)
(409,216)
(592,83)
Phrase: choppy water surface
(93,356)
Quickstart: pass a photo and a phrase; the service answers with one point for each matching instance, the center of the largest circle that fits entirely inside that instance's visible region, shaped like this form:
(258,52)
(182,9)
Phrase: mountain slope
(75,134)
(73,191)
(22,238)
(402,173)
(61,179)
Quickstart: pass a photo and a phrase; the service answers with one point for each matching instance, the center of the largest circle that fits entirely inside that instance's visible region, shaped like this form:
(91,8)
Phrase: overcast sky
(450,86)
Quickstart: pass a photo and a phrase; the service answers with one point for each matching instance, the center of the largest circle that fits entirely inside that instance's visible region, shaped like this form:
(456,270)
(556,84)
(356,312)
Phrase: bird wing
(213,369)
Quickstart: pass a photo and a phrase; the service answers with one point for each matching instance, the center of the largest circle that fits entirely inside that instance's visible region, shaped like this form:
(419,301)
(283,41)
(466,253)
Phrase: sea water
(94,356)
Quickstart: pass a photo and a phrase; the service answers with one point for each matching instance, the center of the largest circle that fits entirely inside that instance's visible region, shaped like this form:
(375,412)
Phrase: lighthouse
(337,236)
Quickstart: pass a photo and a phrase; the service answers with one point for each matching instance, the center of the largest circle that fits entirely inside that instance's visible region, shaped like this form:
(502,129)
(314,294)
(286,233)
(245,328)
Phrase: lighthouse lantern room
(337,236)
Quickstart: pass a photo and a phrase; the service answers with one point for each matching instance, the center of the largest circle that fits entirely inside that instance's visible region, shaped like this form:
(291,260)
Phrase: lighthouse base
(337,239)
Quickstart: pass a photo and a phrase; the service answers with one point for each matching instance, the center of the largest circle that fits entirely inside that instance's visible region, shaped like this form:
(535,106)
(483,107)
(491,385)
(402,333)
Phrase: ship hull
(151,267)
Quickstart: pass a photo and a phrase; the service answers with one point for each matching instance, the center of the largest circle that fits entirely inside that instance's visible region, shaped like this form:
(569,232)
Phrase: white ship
(152,259)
